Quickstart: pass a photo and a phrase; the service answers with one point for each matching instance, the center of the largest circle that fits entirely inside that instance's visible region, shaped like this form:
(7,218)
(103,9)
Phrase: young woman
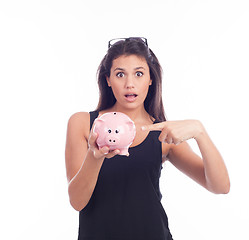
(118,196)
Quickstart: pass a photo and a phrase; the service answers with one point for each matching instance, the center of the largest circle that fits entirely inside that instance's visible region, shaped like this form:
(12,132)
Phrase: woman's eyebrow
(122,69)
(119,69)
(139,68)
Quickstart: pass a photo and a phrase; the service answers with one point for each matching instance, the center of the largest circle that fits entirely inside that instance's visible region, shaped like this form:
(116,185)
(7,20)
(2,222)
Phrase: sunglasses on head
(137,39)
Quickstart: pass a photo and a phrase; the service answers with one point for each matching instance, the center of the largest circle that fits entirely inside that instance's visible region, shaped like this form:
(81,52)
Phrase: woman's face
(129,80)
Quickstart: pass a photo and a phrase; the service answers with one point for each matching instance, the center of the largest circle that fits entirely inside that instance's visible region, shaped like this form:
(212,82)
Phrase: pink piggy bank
(115,130)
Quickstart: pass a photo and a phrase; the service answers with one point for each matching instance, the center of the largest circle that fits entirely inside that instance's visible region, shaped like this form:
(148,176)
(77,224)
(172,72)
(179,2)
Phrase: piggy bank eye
(116,131)
(109,130)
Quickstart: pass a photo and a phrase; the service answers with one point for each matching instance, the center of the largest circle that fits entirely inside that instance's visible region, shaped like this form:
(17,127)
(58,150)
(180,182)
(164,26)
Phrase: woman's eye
(120,74)
(139,74)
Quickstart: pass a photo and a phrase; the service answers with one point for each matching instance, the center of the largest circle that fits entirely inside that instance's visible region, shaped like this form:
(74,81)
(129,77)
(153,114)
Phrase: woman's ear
(108,81)
(150,83)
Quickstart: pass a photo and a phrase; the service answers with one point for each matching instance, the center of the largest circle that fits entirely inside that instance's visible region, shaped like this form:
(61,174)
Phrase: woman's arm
(210,170)
(83,160)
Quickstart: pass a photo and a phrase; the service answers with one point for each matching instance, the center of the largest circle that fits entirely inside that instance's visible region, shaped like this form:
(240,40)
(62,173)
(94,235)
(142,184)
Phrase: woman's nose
(129,82)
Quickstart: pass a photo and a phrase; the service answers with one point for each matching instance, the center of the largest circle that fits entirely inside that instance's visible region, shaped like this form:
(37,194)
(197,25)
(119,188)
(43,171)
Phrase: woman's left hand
(176,131)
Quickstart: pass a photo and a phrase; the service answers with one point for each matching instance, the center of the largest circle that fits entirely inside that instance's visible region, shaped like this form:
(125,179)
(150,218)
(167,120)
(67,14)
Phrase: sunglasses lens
(117,40)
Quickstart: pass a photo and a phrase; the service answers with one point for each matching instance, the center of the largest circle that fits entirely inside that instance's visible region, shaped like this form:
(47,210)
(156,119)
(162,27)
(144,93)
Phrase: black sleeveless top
(126,201)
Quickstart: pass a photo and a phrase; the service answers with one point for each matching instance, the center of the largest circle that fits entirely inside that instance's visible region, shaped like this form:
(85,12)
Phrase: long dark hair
(132,46)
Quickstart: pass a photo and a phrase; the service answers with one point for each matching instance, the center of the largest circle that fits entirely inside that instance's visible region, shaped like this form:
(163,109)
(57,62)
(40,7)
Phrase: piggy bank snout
(111,139)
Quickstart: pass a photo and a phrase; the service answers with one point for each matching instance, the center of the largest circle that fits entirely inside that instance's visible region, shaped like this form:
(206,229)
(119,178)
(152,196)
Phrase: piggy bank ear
(130,125)
(98,122)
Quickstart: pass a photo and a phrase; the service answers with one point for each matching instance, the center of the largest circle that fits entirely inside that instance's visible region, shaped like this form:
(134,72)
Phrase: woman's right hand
(100,153)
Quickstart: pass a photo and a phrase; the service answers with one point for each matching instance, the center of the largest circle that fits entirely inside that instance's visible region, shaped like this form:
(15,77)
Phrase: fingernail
(94,134)
(105,150)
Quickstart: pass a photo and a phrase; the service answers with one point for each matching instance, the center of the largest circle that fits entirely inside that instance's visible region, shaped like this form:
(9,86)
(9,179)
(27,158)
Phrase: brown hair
(132,46)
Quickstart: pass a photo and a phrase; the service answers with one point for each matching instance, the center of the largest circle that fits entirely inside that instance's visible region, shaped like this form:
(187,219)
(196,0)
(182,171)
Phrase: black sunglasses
(138,39)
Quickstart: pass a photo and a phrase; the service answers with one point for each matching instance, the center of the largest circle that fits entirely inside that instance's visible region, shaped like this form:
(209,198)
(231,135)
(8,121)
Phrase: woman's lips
(130,97)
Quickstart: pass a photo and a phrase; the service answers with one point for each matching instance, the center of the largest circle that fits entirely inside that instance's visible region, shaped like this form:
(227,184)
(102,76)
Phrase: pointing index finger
(153,127)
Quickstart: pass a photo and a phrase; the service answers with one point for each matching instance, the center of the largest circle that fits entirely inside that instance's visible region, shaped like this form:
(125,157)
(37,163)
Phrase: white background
(49,54)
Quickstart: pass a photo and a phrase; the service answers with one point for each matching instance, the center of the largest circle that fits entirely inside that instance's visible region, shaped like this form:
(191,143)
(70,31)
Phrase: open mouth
(130,97)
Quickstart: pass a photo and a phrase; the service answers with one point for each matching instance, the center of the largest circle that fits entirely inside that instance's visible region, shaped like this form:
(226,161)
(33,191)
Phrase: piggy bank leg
(124,151)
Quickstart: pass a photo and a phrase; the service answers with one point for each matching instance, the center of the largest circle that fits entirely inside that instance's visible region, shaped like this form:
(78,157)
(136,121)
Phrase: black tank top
(126,201)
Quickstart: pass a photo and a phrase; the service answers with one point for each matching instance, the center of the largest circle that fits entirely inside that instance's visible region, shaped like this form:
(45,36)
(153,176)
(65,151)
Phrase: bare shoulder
(79,123)
(76,142)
